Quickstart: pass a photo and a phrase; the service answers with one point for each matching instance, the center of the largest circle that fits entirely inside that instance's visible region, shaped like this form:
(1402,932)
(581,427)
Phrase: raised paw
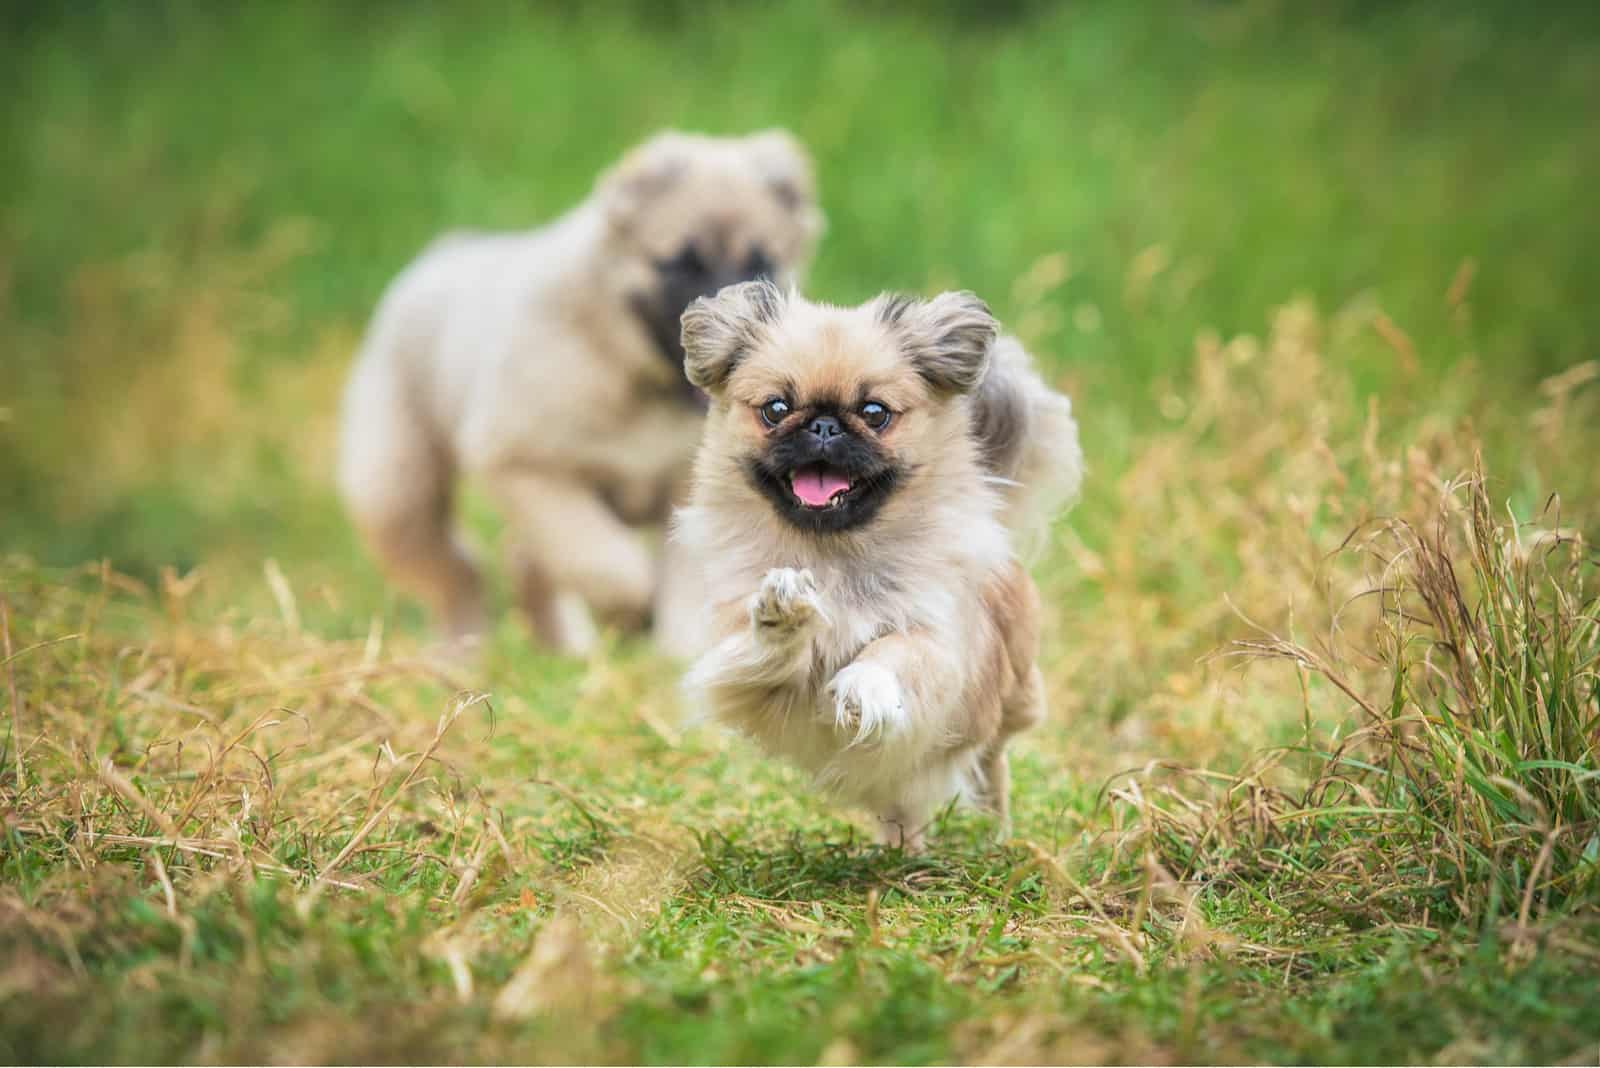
(867,701)
(786,601)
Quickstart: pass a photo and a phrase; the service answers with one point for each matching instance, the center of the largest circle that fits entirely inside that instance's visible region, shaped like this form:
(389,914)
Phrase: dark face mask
(818,447)
(680,281)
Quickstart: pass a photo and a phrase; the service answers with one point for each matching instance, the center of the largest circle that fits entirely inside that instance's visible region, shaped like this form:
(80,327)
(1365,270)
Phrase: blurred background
(201,207)
(1297,264)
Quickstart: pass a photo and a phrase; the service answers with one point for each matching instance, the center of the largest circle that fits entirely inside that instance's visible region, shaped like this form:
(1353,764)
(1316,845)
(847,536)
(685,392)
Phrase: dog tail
(1028,441)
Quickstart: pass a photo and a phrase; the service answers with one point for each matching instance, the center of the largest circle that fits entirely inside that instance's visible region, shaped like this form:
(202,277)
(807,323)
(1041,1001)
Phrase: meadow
(1321,781)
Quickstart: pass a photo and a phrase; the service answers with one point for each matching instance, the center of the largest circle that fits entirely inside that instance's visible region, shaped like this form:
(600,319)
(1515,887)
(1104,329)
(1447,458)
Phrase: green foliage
(204,204)
(243,818)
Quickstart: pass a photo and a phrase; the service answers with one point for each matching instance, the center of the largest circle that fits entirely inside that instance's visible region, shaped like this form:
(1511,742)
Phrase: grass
(1318,286)
(1469,791)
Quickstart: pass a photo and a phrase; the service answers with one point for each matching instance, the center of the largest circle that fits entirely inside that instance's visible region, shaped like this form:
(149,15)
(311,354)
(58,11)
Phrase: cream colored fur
(514,359)
(892,661)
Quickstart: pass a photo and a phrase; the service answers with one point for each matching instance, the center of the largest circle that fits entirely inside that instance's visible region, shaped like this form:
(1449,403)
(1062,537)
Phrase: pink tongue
(816,486)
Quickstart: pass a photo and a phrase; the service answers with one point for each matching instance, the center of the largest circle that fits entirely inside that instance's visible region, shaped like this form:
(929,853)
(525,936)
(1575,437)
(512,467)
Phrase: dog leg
(569,543)
(559,620)
(1021,710)
(770,650)
(396,485)
(422,554)
(996,797)
(906,697)
(905,690)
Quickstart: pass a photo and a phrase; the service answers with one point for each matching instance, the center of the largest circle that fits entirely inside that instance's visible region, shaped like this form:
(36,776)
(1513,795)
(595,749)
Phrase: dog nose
(824,427)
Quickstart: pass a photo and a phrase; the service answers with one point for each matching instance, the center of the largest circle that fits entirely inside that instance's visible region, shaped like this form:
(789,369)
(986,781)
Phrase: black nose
(824,427)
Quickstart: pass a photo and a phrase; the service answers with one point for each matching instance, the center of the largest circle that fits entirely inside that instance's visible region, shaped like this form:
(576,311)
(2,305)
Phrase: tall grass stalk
(1471,788)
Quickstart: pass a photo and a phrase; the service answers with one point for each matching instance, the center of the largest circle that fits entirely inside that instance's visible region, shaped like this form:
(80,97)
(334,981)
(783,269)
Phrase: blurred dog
(548,364)
(851,521)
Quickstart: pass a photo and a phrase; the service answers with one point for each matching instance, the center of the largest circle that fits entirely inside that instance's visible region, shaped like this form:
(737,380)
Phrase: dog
(548,366)
(863,477)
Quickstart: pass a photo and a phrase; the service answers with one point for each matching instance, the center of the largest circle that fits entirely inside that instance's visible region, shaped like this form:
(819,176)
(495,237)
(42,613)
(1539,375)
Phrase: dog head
(689,214)
(832,414)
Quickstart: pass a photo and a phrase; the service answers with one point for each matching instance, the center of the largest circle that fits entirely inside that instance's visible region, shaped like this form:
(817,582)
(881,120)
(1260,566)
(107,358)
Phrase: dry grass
(192,739)
(1465,789)
(205,802)
(1228,515)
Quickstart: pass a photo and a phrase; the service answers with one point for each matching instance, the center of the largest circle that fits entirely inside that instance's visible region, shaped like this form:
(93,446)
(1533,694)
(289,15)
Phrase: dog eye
(774,410)
(687,262)
(875,415)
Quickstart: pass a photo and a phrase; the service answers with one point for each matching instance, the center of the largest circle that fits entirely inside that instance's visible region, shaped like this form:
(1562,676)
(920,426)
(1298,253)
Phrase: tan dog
(548,365)
(851,520)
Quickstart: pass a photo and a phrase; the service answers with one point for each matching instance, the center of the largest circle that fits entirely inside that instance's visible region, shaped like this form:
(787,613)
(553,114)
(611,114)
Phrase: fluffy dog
(851,520)
(548,365)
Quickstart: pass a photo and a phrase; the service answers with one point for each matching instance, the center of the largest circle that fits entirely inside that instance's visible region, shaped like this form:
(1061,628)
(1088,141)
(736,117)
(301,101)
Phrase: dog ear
(718,331)
(786,167)
(644,173)
(948,339)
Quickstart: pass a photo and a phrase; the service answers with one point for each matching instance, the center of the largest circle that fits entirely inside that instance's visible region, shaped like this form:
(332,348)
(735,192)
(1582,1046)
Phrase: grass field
(1322,776)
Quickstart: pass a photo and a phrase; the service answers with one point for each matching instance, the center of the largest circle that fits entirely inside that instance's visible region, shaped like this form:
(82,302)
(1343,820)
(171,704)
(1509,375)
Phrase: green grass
(1297,272)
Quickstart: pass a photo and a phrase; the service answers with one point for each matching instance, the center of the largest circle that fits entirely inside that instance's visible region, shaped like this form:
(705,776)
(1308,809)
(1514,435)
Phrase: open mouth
(819,486)
(820,497)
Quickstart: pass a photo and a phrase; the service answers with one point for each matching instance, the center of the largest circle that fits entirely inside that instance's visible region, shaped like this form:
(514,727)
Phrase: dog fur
(885,642)
(547,364)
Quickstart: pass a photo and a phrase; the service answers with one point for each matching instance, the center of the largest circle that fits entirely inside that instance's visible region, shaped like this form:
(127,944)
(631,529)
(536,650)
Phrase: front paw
(868,700)
(786,602)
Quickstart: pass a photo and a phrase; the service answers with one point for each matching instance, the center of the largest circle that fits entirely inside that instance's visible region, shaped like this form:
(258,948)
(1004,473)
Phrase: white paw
(786,601)
(867,701)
